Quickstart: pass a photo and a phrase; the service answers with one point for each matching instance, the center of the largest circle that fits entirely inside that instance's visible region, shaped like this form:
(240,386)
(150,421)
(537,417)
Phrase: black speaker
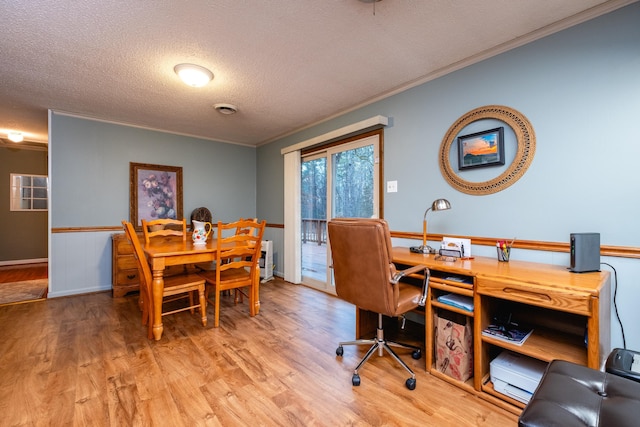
(585,252)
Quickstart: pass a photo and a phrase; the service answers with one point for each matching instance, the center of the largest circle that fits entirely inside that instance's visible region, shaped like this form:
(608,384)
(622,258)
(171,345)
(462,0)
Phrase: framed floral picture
(155,192)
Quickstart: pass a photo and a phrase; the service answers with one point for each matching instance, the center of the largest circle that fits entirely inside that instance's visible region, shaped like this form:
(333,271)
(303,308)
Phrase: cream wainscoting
(80,261)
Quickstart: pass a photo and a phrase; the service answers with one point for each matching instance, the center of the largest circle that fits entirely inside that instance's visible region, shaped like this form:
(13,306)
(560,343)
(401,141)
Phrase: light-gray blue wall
(90,188)
(580,89)
(90,171)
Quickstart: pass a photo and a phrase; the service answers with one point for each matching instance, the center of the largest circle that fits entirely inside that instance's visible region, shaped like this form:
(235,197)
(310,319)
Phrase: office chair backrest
(362,264)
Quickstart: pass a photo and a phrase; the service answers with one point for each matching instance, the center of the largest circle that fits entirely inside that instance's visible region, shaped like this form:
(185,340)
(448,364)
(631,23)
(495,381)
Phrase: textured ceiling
(286,64)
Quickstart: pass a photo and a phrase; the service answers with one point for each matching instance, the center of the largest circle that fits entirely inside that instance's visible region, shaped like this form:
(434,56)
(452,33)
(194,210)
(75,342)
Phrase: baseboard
(24,261)
(74,292)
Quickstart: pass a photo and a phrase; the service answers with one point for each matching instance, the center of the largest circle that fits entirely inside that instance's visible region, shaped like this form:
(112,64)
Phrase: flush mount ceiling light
(15,136)
(226,108)
(374,4)
(193,75)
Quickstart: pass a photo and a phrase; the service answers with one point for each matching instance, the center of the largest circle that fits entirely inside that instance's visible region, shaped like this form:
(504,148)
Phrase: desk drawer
(569,300)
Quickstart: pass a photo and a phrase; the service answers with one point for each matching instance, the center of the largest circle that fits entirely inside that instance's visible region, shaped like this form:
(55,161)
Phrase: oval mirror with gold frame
(526,148)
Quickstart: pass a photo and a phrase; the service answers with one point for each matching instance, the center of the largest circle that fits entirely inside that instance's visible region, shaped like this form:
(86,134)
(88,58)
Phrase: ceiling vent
(226,108)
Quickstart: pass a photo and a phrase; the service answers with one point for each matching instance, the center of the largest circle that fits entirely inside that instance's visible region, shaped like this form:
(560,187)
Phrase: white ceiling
(286,64)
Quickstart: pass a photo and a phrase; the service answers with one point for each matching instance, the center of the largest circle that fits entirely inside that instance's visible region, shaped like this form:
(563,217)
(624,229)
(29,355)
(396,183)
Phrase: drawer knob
(131,276)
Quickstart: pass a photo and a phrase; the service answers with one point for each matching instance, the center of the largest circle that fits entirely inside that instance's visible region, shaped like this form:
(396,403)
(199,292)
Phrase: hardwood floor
(18,293)
(17,273)
(85,360)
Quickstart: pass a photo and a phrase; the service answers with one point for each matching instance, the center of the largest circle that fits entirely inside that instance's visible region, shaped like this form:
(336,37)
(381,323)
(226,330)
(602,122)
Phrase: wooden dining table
(165,252)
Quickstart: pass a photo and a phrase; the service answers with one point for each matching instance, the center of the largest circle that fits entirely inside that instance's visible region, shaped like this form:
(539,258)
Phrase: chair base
(379,343)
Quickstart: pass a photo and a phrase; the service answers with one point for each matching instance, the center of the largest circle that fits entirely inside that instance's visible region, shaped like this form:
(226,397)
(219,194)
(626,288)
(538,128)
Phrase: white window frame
(20,193)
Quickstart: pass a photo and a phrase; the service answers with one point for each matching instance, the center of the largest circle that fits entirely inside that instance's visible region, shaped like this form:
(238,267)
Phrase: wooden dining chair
(237,258)
(164,228)
(238,292)
(179,286)
(158,228)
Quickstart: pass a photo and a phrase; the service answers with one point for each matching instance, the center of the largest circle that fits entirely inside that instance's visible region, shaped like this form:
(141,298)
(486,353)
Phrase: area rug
(27,290)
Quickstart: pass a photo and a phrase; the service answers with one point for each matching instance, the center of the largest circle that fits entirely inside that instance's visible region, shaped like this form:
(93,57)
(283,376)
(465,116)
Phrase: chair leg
(380,344)
(252,301)
(216,309)
(238,296)
(191,302)
(203,306)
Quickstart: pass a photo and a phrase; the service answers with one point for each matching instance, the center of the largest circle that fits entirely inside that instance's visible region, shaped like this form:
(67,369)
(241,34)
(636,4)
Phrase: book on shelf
(510,332)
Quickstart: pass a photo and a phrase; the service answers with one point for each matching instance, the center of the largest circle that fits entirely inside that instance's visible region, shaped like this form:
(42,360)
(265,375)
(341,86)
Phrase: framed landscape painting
(155,192)
(481,149)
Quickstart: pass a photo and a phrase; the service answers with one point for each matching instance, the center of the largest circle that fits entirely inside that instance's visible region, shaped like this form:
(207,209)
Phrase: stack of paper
(460,301)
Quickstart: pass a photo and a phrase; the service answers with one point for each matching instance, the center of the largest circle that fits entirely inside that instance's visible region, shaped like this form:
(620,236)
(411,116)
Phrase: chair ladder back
(239,250)
(164,228)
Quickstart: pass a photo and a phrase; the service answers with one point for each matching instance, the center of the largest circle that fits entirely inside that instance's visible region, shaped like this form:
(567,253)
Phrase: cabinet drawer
(128,277)
(127,263)
(569,300)
(123,247)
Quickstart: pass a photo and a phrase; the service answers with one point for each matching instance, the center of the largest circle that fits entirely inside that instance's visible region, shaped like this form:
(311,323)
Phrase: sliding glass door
(341,181)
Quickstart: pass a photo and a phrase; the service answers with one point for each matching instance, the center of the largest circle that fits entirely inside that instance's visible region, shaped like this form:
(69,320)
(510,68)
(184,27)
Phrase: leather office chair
(175,287)
(237,258)
(366,277)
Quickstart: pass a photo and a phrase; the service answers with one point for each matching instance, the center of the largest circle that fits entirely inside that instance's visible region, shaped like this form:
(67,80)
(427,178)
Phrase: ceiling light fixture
(193,75)
(15,136)
(374,4)
(227,109)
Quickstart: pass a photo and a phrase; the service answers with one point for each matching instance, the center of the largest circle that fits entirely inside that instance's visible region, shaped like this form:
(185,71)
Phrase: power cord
(615,305)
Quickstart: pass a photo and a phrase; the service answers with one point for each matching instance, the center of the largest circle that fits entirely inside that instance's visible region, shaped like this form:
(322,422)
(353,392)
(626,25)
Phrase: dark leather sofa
(573,395)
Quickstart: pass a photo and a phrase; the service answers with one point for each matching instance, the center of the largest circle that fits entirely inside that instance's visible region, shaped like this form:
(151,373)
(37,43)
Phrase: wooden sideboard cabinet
(124,269)
(570,313)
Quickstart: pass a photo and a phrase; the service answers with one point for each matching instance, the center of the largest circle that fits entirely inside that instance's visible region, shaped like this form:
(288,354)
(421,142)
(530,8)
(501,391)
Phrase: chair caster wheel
(417,354)
(355,380)
(339,351)
(411,383)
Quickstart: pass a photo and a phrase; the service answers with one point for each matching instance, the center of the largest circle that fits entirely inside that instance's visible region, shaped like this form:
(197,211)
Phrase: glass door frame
(371,138)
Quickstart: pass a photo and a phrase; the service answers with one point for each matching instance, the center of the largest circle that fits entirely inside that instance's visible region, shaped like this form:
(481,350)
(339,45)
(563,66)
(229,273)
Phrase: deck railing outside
(314,231)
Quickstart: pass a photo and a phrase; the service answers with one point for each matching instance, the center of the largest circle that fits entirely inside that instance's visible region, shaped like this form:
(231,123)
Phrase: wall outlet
(392,186)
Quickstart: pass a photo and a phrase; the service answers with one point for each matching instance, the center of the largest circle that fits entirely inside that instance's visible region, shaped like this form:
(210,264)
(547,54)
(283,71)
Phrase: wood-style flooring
(85,361)
(18,293)
(18,273)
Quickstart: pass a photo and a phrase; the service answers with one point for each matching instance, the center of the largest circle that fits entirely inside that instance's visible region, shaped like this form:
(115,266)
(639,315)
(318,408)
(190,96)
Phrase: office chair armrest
(412,270)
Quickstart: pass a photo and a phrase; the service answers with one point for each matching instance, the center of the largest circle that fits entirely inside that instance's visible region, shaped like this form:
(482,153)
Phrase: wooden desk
(567,310)
(162,253)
